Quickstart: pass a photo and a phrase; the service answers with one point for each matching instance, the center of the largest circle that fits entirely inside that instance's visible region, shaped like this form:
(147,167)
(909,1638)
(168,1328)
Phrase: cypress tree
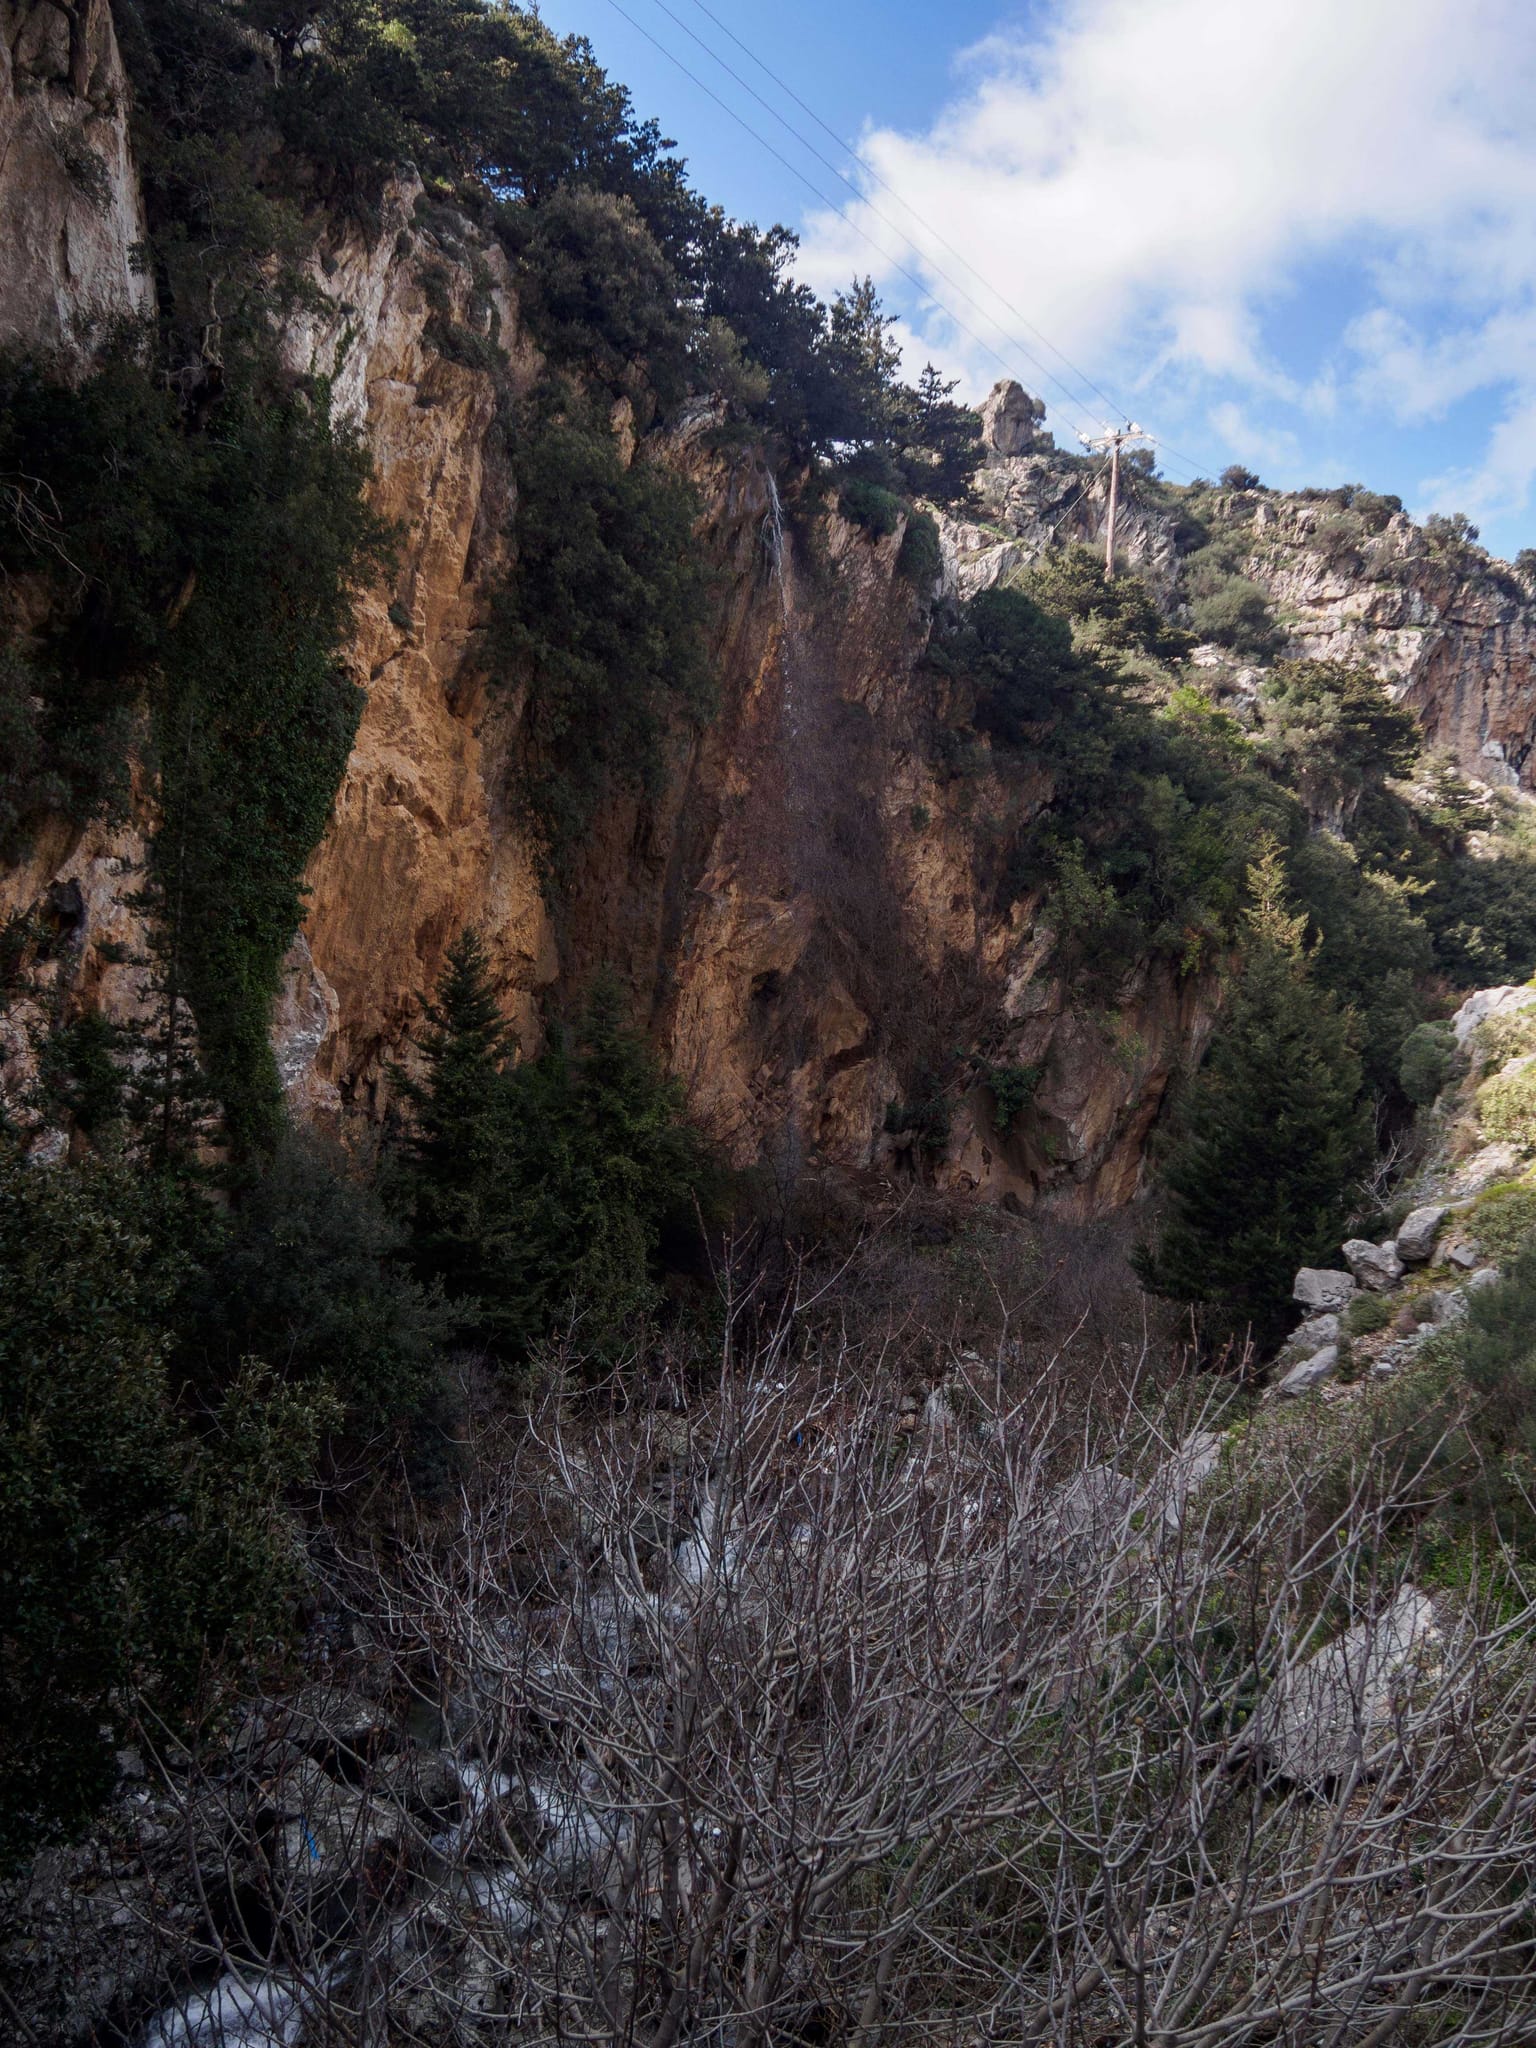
(1267,1139)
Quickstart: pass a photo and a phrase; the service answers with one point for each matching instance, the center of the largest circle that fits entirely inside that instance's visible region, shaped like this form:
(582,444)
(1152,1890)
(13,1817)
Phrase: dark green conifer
(1267,1139)
(458,1111)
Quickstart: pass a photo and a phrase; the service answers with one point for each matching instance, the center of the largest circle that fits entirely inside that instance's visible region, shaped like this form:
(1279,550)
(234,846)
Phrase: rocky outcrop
(1453,632)
(1011,419)
(1034,500)
(69,195)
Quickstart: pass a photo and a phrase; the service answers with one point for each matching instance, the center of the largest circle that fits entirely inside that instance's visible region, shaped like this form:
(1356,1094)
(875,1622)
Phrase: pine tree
(1267,1140)
(945,438)
(542,1186)
(458,1111)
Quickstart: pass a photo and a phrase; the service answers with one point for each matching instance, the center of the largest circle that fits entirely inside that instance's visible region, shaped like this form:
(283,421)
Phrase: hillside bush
(1366,1314)
(867,504)
(1369,946)
(601,618)
(921,558)
(1427,1062)
(307,1274)
(1145,841)
(137,1554)
(1119,614)
(1335,732)
(1236,614)
(1504,1222)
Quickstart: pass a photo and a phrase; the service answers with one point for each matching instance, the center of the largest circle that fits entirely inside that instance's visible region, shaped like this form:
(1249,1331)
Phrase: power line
(1195,468)
(1072,399)
(923,289)
(831,205)
(885,184)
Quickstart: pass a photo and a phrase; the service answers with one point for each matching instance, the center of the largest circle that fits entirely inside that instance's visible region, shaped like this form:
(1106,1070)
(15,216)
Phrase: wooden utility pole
(1112,441)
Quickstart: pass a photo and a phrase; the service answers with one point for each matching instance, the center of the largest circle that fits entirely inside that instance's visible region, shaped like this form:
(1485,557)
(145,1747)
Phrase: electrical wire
(1185,461)
(831,205)
(795,171)
(1072,399)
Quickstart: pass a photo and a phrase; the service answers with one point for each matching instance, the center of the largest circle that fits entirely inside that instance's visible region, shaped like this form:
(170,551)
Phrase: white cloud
(1157,183)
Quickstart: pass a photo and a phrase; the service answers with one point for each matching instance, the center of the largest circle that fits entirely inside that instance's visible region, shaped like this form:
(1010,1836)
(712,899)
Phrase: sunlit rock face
(69,195)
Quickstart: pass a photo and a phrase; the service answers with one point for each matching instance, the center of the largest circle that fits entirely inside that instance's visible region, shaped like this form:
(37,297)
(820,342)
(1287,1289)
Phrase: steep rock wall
(798,943)
(69,196)
(803,914)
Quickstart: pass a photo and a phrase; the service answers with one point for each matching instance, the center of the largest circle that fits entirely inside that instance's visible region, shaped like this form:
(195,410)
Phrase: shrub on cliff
(1426,1062)
(201,569)
(1119,614)
(1334,732)
(598,293)
(1236,614)
(1368,946)
(601,618)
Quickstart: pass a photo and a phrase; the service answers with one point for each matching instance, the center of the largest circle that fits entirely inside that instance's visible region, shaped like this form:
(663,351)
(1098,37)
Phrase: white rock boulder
(1320,1289)
(1417,1232)
(1311,1336)
(1374,1265)
(1501,1161)
(1310,1373)
(1339,1703)
(1486,1003)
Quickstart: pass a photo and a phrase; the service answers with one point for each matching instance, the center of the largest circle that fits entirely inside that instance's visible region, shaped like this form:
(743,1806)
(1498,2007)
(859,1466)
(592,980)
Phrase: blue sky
(1299,234)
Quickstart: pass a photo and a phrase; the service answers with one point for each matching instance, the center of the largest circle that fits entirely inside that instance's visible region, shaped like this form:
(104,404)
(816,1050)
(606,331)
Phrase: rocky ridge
(1451,629)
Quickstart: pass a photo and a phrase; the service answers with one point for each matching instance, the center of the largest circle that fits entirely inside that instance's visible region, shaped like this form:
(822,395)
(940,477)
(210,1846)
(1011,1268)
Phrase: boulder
(1185,1473)
(1465,1256)
(1494,1163)
(1310,1373)
(1446,1305)
(1374,1265)
(1318,1288)
(1313,1334)
(1485,1276)
(1346,1694)
(1091,1514)
(1010,418)
(1486,1003)
(1417,1232)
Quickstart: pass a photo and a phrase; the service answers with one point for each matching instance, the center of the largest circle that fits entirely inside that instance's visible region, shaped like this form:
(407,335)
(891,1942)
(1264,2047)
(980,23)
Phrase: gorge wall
(806,914)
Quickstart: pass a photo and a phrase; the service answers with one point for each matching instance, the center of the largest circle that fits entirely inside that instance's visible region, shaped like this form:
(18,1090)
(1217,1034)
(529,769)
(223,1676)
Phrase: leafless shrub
(806,1712)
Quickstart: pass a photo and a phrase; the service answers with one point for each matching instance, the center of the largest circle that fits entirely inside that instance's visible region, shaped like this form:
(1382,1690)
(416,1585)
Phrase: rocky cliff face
(68,194)
(1453,631)
(802,913)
